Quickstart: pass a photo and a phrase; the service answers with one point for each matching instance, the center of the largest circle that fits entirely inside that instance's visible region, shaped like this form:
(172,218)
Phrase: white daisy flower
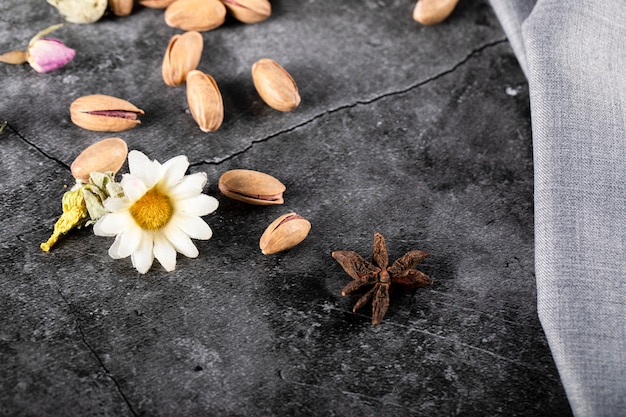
(159,213)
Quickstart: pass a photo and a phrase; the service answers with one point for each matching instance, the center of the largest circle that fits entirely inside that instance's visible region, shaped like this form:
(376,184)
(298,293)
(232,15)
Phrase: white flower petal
(114,204)
(97,230)
(174,171)
(129,241)
(181,242)
(134,187)
(200,205)
(114,247)
(154,174)
(194,226)
(190,186)
(185,193)
(138,164)
(143,257)
(112,224)
(164,252)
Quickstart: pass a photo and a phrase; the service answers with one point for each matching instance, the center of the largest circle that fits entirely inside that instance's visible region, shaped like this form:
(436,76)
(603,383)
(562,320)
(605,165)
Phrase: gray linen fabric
(574,55)
(511,15)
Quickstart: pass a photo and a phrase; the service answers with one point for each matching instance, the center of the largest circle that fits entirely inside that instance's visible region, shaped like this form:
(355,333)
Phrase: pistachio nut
(284,233)
(249,11)
(252,187)
(431,12)
(198,15)
(121,7)
(104,113)
(275,86)
(156,4)
(205,101)
(108,155)
(182,55)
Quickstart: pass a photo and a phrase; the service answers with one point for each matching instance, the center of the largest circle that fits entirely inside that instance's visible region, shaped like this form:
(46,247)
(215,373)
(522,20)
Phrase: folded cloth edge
(574,58)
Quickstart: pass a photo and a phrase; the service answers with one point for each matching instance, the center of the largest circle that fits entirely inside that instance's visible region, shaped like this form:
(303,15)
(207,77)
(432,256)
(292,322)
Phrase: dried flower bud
(48,54)
(284,233)
(43,54)
(80,11)
(83,205)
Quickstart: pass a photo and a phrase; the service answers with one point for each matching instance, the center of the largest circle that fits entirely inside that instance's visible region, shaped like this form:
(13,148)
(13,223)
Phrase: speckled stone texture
(420,133)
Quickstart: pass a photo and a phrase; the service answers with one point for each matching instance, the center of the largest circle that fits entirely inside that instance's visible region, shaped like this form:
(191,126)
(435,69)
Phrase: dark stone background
(420,133)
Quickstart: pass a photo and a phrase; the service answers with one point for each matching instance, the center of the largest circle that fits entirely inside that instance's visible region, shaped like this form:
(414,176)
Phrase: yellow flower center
(152,211)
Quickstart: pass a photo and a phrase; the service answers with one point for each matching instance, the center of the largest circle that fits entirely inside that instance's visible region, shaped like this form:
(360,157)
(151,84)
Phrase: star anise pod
(380,275)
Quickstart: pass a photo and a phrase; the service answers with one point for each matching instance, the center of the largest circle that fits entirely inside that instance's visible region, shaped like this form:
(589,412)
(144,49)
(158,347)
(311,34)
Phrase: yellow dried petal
(74,214)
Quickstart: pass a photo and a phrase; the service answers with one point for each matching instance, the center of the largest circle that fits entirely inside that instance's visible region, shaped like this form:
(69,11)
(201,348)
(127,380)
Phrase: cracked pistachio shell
(275,86)
(80,11)
(431,12)
(104,156)
(198,15)
(156,4)
(205,101)
(249,11)
(121,7)
(104,113)
(251,187)
(182,55)
(284,233)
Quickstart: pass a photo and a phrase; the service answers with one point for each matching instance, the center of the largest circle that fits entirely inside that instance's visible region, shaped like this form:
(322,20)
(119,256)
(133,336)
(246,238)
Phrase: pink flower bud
(47,54)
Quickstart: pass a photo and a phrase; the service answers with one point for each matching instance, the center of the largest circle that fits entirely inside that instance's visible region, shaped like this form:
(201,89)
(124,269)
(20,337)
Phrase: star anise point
(380,275)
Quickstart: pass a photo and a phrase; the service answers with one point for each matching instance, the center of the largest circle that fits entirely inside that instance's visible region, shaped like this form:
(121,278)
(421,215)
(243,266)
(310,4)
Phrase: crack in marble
(432,78)
(95,354)
(411,87)
(37,148)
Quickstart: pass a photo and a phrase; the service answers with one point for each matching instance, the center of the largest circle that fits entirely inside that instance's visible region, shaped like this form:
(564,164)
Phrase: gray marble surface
(420,133)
